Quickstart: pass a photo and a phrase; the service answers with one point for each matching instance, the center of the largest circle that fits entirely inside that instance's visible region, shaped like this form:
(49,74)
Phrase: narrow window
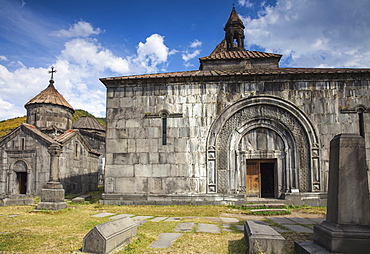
(164,130)
(23,143)
(76,150)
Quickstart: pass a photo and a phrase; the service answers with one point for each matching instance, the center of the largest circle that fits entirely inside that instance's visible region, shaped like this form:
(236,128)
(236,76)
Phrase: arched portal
(20,170)
(267,131)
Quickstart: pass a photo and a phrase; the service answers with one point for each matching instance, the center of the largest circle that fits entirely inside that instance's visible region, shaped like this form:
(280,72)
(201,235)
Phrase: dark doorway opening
(267,179)
(22,182)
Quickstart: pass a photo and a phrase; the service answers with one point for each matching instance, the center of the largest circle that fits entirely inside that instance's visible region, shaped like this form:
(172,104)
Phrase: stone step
(268,210)
(267,205)
(252,200)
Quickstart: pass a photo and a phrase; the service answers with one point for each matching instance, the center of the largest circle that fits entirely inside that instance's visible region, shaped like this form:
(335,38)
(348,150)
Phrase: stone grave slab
(173,219)
(101,215)
(239,227)
(78,200)
(281,220)
(317,220)
(304,221)
(165,240)
(208,228)
(120,216)
(279,230)
(184,227)
(229,220)
(106,237)
(262,238)
(157,219)
(141,217)
(298,228)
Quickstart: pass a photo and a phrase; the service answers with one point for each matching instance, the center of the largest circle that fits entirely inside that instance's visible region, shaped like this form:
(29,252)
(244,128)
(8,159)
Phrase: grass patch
(63,231)
(271,213)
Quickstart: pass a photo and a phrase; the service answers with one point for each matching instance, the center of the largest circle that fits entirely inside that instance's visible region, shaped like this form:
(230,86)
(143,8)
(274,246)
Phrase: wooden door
(253,179)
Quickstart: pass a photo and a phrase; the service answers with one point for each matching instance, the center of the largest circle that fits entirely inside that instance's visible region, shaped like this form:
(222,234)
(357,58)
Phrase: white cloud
(191,52)
(245,3)
(79,66)
(79,29)
(313,33)
(151,54)
(3,58)
(196,43)
(6,108)
(188,56)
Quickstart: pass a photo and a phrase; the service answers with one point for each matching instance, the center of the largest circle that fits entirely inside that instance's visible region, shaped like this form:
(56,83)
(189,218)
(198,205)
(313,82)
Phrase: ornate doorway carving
(263,127)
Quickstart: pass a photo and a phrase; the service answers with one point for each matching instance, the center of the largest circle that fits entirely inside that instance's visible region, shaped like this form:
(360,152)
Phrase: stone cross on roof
(52,72)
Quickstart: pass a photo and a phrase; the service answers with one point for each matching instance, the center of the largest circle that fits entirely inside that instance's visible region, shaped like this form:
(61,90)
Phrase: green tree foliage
(7,125)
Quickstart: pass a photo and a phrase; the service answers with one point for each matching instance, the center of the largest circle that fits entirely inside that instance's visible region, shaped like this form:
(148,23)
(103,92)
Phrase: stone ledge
(309,247)
(262,238)
(17,201)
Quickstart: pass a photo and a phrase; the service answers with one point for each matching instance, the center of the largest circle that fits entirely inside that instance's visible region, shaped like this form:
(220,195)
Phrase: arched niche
(297,159)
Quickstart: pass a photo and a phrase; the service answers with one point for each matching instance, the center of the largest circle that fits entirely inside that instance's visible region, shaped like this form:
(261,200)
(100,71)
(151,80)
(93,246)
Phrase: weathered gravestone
(261,238)
(347,225)
(108,236)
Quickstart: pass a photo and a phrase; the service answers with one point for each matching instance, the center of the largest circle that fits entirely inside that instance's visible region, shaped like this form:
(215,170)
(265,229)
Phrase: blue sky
(89,39)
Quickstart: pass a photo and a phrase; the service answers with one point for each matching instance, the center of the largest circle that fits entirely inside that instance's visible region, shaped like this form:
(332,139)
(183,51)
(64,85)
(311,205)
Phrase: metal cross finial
(52,72)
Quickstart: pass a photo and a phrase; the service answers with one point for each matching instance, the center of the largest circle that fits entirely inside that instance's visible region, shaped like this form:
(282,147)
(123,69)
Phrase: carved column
(52,194)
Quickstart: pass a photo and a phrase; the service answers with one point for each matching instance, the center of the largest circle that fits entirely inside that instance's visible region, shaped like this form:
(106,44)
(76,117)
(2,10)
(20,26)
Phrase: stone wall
(47,115)
(25,149)
(78,168)
(137,162)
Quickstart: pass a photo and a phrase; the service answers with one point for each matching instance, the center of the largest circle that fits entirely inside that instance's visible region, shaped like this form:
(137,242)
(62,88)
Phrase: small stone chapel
(239,128)
(25,152)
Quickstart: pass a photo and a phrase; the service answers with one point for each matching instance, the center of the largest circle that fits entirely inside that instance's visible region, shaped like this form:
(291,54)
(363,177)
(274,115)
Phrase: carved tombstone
(108,236)
(347,225)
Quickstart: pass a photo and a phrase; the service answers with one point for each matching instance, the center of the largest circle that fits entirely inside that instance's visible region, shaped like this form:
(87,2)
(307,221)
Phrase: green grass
(63,231)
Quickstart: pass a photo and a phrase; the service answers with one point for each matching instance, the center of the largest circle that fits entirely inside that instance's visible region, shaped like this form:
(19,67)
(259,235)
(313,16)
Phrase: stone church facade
(25,153)
(240,127)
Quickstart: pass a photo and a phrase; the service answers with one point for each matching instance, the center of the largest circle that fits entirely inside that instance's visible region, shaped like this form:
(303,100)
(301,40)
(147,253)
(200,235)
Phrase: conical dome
(50,95)
(49,109)
(88,123)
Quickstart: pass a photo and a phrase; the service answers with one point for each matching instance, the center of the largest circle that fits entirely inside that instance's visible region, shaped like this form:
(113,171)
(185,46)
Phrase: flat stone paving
(208,228)
(141,217)
(157,219)
(298,228)
(173,219)
(304,221)
(101,215)
(281,220)
(229,220)
(119,216)
(165,240)
(184,227)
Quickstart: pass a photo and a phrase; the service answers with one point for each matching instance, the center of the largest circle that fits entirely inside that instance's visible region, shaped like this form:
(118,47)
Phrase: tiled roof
(68,134)
(50,95)
(36,131)
(245,54)
(221,53)
(88,123)
(247,72)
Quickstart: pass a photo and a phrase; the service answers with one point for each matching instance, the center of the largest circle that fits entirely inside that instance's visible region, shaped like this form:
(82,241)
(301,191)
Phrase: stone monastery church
(25,153)
(239,127)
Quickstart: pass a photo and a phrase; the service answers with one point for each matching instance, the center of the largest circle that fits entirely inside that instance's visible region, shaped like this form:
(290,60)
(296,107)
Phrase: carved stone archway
(297,158)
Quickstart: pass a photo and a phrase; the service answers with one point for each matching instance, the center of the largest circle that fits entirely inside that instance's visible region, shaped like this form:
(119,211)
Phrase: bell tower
(234,32)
